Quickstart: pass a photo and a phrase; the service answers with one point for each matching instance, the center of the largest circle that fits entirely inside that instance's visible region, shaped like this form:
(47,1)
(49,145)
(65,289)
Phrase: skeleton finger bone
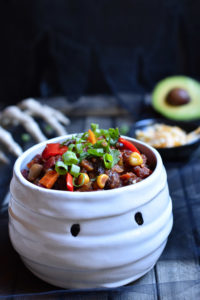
(14,113)
(7,139)
(49,114)
(3,158)
(33,105)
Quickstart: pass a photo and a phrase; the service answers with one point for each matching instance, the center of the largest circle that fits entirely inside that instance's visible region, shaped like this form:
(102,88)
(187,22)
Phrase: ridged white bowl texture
(111,249)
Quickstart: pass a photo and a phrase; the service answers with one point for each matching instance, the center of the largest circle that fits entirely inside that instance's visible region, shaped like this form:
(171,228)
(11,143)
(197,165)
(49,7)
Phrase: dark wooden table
(177,272)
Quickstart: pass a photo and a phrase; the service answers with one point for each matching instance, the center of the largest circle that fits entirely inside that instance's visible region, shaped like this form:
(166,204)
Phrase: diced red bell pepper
(128,145)
(69,182)
(53,149)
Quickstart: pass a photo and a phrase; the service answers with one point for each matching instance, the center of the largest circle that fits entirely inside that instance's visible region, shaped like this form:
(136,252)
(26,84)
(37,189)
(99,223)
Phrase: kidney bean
(49,163)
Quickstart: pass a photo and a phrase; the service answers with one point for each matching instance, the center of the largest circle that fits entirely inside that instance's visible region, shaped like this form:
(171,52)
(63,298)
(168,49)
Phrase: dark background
(71,48)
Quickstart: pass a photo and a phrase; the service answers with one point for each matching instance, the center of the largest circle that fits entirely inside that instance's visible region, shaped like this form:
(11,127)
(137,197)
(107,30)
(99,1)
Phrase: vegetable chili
(98,159)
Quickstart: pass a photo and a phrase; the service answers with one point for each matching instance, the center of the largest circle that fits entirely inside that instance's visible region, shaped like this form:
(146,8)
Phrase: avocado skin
(186,112)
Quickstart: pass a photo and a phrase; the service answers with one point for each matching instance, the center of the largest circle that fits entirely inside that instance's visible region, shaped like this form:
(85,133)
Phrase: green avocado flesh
(185,112)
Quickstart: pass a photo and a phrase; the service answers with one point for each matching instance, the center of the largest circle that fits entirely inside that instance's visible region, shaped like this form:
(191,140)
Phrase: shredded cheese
(165,136)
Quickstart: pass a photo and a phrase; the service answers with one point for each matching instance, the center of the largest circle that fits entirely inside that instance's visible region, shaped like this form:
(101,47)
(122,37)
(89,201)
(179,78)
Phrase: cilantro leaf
(115,154)
(96,152)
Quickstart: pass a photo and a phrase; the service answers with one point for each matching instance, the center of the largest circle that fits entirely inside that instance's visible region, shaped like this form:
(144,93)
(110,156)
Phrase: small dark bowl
(184,152)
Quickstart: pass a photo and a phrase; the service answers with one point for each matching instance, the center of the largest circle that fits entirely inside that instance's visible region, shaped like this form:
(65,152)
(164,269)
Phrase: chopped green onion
(75,170)
(94,126)
(48,128)
(96,130)
(61,168)
(85,135)
(96,152)
(25,137)
(88,144)
(71,147)
(79,147)
(70,158)
(108,160)
(78,137)
(82,181)
(124,129)
(83,155)
(79,140)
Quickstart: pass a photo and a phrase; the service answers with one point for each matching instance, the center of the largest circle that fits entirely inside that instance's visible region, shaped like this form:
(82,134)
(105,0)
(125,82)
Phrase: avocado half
(185,112)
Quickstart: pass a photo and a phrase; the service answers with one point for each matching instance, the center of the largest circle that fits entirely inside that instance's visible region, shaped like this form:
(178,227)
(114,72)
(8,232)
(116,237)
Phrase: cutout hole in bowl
(75,229)
(138,218)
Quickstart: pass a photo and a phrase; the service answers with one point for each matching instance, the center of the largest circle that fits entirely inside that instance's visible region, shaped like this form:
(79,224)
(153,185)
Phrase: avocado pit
(178,96)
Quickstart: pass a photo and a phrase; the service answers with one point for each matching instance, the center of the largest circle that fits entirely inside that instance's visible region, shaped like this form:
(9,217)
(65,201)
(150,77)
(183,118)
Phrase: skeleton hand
(22,114)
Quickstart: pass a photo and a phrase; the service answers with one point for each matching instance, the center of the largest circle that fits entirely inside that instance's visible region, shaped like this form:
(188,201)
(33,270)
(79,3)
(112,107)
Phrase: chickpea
(101,180)
(135,159)
(34,171)
(83,178)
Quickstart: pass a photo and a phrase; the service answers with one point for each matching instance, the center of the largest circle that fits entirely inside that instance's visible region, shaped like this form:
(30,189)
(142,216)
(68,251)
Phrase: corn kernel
(101,180)
(83,178)
(135,159)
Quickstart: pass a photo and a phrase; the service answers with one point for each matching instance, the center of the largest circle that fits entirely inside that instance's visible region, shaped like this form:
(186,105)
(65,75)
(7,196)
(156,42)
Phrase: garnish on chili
(69,182)
(84,161)
(128,145)
(54,149)
(49,179)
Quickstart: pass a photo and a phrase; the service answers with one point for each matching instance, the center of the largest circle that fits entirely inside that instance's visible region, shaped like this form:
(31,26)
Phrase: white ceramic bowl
(111,249)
